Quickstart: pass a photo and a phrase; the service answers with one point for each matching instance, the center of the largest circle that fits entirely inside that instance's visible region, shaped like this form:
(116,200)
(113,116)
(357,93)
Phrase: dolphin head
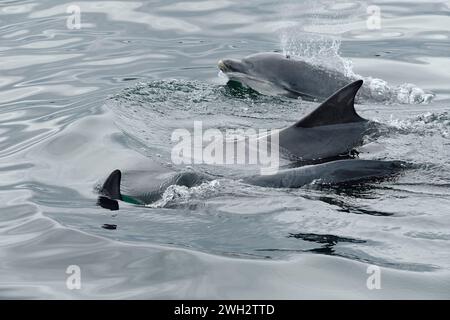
(275,73)
(232,66)
(259,63)
(267,73)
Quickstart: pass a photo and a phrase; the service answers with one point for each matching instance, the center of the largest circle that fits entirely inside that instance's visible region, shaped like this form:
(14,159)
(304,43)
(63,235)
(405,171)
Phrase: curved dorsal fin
(339,108)
(111,187)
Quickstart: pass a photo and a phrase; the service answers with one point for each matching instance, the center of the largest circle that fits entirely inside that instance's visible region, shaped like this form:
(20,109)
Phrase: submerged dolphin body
(274,73)
(333,172)
(144,187)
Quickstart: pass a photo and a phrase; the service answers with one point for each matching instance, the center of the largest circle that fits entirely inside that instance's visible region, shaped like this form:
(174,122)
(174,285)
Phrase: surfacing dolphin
(274,73)
(332,129)
(146,187)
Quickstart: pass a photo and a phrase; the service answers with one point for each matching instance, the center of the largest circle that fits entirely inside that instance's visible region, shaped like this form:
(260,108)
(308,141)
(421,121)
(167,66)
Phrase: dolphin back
(334,172)
(144,186)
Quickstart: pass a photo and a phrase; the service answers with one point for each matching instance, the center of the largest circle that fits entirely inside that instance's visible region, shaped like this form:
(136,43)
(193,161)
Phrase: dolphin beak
(230,65)
(222,66)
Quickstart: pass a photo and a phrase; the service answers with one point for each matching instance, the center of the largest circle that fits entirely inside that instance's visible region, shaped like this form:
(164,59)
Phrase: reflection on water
(77,103)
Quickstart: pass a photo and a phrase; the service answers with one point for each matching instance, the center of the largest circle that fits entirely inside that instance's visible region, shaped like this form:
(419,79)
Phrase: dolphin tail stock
(338,108)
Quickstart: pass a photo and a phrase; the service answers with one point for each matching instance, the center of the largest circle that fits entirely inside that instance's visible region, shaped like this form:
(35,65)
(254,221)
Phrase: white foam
(428,122)
(176,194)
(379,90)
(324,50)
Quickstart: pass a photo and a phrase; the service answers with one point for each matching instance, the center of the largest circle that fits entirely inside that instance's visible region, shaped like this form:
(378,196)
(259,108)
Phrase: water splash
(379,90)
(317,49)
(428,123)
(324,50)
(178,195)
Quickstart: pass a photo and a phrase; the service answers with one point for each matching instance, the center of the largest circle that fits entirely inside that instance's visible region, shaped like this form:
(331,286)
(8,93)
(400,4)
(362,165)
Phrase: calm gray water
(78,103)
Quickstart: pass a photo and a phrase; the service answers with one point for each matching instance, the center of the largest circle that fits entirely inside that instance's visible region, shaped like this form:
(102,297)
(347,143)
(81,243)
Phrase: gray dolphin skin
(274,73)
(145,187)
(333,172)
(332,129)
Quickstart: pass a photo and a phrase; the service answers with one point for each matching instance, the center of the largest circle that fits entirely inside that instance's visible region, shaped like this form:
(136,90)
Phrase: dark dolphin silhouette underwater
(332,129)
(273,73)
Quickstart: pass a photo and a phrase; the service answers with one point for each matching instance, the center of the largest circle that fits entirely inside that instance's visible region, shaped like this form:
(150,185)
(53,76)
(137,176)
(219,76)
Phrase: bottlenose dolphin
(274,73)
(145,187)
(332,129)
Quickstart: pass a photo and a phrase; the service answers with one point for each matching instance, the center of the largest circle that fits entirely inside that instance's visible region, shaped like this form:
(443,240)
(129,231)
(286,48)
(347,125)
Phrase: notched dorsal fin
(111,187)
(339,108)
